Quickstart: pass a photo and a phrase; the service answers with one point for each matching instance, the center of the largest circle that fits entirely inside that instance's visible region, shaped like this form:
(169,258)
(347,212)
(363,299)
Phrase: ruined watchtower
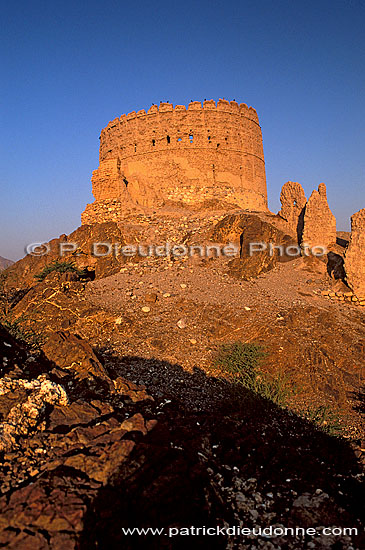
(179,155)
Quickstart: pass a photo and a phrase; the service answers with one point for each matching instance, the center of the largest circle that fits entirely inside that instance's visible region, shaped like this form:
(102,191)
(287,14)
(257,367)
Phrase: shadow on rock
(220,455)
(335,266)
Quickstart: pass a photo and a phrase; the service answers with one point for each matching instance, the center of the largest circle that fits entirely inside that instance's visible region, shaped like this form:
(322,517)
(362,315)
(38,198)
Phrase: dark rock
(75,414)
(69,352)
(248,229)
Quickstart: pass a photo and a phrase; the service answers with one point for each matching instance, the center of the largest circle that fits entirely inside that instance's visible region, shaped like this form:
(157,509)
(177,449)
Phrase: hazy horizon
(69,69)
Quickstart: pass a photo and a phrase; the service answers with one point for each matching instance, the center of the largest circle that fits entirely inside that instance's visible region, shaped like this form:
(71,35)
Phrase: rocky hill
(4,263)
(77,435)
(204,391)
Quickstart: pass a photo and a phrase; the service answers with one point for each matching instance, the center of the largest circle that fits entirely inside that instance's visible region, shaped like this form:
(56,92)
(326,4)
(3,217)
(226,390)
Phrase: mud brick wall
(209,151)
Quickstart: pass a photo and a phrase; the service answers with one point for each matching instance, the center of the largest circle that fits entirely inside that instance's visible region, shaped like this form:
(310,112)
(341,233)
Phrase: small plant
(242,362)
(4,298)
(276,388)
(17,329)
(59,267)
(325,419)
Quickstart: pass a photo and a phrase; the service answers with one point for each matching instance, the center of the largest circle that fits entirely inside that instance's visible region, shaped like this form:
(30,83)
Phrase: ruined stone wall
(319,223)
(355,255)
(183,154)
(311,221)
(293,202)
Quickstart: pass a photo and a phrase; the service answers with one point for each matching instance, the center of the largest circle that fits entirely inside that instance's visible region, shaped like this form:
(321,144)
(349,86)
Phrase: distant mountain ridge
(4,263)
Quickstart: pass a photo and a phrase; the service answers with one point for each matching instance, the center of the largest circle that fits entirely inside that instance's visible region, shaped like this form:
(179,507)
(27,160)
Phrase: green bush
(59,267)
(242,362)
(17,329)
(4,295)
(325,419)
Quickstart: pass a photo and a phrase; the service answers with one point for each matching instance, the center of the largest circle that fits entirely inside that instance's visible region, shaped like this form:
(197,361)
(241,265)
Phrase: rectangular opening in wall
(191,137)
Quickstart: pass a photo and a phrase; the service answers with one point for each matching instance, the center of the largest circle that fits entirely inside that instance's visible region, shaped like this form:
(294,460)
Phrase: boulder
(261,244)
(70,352)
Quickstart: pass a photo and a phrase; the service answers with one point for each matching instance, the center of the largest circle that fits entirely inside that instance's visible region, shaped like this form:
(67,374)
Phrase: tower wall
(183,154)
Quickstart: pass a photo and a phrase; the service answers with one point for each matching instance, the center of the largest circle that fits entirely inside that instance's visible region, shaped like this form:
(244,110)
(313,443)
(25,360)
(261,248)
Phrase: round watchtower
(186,155)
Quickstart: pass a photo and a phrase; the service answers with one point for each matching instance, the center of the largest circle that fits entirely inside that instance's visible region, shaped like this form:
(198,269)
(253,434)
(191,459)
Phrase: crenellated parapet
(208,105)
(151,156)
(225,125)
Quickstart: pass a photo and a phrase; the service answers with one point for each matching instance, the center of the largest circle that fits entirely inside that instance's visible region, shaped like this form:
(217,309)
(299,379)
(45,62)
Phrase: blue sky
(67,68)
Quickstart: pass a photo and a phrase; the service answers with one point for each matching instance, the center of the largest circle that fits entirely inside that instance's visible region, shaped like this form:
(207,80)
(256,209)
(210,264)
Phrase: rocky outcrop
(70,352)
(261,244)
(4,263)
(77,248)
(59,442)
(319,222)
(24,415)
(293,201)
(355,255)
(93,465)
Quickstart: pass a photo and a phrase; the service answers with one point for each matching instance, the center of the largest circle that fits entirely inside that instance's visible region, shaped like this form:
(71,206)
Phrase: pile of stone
(347,296)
